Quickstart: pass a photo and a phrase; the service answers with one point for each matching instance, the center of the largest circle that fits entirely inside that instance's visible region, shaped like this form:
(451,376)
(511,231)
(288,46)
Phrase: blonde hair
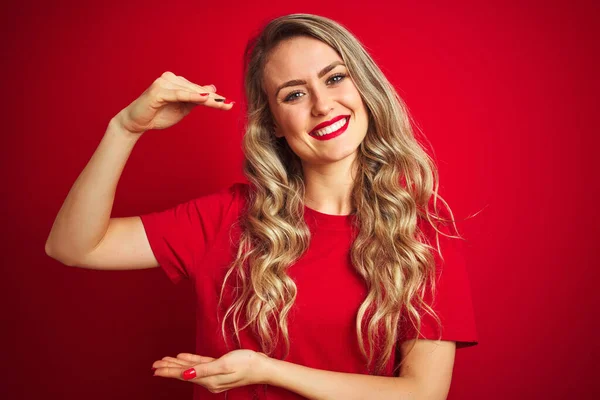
(395,183)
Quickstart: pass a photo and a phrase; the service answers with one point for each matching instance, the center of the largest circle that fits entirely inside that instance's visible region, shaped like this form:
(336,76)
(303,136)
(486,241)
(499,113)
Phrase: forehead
(297,58)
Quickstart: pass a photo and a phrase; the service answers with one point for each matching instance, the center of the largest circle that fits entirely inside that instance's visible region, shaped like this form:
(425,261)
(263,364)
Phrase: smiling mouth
(339,124)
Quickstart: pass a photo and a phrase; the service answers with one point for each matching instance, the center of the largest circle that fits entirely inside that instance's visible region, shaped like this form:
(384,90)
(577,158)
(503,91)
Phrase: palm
(170,114)
(234,369)
(166,102)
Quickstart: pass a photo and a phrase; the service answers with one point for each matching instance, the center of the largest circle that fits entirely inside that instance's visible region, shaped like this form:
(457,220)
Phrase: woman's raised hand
(166,102)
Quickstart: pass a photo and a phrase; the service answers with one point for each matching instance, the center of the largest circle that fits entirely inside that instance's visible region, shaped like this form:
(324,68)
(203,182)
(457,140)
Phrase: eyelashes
(292,96)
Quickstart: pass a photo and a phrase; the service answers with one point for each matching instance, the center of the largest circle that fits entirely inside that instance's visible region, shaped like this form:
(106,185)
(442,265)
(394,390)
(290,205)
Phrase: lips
(327,123)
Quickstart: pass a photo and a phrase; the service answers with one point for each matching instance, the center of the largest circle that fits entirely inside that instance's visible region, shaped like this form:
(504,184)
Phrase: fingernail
(214,87)
(220,100)
(189,374)
(229,102)
(203,94)
(153,369)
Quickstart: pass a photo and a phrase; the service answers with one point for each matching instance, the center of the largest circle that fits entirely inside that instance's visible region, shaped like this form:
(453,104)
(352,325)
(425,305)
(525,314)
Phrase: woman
(337,236)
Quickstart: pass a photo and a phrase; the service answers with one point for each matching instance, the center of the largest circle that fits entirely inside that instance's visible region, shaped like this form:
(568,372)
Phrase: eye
(337,78)
(292,96)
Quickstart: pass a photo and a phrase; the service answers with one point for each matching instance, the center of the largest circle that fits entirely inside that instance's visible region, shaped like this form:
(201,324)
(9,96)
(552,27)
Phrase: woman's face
(314,102)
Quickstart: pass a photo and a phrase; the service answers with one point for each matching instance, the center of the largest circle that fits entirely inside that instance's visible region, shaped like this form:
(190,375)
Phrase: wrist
(115,127)
(267,368)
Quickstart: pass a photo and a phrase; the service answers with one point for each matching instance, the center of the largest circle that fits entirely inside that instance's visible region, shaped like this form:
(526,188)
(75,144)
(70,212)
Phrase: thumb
(189,374)
(203,370)
(196,359)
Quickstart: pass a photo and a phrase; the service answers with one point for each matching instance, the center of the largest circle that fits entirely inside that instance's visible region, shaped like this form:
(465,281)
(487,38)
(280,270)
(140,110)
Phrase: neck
(329,186)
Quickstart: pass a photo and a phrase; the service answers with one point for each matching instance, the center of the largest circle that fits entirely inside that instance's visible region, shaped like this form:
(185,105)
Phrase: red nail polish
(203,94)
(229,102)
(189,374)
(153,369)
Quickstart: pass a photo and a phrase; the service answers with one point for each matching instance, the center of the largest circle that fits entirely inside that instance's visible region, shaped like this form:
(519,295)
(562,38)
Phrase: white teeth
(331,128)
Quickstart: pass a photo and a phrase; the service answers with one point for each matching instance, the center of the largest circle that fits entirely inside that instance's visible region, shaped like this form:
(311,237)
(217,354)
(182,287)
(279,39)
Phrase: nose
(322,104)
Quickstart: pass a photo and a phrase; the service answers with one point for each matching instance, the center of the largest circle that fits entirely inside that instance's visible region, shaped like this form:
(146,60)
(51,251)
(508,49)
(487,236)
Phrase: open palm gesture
(234,369)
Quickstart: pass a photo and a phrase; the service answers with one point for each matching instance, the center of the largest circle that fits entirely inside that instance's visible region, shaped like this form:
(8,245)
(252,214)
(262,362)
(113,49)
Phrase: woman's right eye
(292,96)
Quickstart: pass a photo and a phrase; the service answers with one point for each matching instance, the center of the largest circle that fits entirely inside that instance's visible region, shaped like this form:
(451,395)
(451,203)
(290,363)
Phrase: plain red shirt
(196,240)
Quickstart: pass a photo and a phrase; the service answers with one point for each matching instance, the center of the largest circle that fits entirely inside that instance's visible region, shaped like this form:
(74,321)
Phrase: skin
(425,374)
(326,164)
(234,369)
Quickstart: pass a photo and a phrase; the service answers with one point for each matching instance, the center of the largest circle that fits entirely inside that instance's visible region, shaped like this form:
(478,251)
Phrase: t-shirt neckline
(329,221)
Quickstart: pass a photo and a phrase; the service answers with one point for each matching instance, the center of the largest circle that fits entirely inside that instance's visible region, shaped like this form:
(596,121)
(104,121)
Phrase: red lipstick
(325,124)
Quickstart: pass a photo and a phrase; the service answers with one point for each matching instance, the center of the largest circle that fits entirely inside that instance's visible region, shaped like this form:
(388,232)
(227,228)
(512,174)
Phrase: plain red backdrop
(505,91)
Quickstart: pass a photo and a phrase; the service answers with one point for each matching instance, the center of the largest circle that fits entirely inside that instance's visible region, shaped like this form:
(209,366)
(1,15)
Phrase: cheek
(352,99)
(293,121)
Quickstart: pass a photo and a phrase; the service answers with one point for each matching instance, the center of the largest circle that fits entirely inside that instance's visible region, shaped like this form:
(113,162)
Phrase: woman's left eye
(336,78)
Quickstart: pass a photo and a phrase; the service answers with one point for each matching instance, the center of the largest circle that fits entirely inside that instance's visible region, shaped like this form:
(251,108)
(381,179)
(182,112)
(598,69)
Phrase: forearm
(85,214)
(316,384)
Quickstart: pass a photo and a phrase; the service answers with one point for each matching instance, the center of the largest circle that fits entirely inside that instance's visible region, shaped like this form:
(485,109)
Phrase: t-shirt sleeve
(179,236)
(452,302)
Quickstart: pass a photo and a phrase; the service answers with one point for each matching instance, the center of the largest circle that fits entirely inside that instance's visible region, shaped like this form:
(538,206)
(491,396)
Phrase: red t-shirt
(193,241)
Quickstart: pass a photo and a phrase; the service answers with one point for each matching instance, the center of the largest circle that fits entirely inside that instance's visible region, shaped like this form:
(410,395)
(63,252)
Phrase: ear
(277,131)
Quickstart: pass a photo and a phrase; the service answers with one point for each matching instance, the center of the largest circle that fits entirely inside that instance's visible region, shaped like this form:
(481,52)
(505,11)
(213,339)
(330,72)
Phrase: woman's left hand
(234,369)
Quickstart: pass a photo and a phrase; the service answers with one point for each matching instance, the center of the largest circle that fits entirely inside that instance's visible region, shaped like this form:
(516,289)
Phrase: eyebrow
(298,82)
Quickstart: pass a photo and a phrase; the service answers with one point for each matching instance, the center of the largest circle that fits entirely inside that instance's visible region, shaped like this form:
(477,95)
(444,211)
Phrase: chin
(340,155)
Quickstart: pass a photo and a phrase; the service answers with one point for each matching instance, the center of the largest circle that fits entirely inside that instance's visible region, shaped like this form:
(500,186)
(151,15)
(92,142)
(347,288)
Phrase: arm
(83,233)
(84,216)
(425,375)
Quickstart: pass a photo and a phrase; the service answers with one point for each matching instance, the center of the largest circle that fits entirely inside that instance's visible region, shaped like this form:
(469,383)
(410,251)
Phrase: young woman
(333,273)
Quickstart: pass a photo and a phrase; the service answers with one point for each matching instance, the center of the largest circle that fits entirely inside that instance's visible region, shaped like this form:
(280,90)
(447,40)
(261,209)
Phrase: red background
(505,91)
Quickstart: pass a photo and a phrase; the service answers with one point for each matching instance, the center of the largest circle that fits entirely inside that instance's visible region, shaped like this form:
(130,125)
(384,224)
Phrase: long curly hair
(394,191)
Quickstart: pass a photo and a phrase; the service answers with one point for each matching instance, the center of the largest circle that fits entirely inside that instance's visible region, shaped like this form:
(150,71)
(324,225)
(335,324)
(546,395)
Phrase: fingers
(208,88)
(212,375)
(170,368)
(183,360)
(210,98)
(193,358)
(171,360)
(166,95)
(215,100)
(183,95)
(206,370)
(188,370)
(181,81)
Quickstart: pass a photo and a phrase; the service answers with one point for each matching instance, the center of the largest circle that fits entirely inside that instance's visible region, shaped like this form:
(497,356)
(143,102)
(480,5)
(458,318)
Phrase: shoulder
(445,241)
(211,208)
